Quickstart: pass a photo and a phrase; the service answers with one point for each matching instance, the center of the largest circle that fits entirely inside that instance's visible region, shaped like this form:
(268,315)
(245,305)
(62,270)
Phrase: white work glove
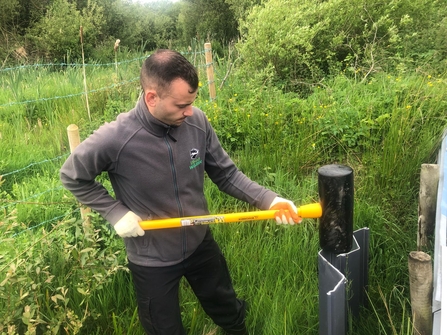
(128,225)
(287,212)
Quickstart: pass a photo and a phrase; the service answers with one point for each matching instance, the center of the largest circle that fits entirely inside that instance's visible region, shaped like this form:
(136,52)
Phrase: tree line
(49,29)
(290,43)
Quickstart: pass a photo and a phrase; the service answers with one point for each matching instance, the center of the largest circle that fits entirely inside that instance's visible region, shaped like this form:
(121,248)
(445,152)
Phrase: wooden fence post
(74,140)
(420,267)
(210,70)
(73,136)
(421,287)
(428,191)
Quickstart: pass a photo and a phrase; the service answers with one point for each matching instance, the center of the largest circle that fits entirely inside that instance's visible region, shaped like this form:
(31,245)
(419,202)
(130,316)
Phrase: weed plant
(60,274)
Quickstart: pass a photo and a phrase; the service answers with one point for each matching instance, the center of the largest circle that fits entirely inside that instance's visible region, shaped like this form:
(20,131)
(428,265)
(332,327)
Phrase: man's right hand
(287,211)
(129,226)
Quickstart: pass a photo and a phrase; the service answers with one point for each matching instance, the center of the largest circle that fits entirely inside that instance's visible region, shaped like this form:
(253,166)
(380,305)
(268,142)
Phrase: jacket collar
(150,123)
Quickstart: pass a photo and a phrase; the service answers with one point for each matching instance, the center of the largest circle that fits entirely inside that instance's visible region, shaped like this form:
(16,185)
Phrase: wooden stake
(421,287)
(74,140)
(210,70)
(73,136)
(81,34)
(428,191)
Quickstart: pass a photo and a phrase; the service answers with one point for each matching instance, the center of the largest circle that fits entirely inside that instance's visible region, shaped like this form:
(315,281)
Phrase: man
(156,156)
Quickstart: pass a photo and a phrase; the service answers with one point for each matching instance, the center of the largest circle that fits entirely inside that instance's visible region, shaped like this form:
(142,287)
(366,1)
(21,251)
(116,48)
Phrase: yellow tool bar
(306,211)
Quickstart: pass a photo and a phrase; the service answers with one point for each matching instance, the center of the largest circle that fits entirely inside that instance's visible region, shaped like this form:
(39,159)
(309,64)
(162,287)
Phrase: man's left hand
(287,212)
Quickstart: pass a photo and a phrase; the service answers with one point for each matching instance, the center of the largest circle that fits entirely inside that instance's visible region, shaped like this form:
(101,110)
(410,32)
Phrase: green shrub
(57,35)
(305,41)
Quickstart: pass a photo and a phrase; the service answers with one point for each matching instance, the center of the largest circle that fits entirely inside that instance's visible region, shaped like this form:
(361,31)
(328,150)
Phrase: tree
(302,41)
(207,19)
(29,12)
(241,8)
(56,35)
(141,27)
(8,15)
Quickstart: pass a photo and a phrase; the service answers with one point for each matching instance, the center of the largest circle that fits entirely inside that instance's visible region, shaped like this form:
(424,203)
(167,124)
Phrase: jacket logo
(194,153)
(195,158)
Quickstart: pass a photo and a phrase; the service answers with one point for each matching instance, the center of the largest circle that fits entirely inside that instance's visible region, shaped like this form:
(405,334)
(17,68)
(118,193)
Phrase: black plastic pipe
(336,192)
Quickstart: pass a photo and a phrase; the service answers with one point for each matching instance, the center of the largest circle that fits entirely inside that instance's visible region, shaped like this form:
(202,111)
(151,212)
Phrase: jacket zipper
(176,190)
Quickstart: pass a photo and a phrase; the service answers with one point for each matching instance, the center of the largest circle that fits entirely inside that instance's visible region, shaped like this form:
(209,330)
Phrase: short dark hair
(163,67)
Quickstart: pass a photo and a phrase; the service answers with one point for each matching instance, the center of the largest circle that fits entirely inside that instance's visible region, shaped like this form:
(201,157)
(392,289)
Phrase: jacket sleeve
(78,175)
(229,179)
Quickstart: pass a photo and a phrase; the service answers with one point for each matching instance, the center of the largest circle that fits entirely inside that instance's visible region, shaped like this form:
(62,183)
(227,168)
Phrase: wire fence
(80,65)
(63,65)
(14,103)
(9,205)
(31,165)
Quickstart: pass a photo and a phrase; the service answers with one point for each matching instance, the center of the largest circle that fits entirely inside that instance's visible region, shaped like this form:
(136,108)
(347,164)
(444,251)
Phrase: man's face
(174,106)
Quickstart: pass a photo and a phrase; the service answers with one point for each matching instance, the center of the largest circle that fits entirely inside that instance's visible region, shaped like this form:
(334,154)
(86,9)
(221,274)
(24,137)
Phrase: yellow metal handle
(306,211)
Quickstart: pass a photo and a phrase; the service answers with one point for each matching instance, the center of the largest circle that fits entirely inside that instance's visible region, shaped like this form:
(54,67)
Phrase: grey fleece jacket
(156,171)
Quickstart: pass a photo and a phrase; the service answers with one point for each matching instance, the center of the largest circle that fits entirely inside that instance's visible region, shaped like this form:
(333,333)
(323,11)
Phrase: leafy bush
(317,39)
(49,285)
(57,34)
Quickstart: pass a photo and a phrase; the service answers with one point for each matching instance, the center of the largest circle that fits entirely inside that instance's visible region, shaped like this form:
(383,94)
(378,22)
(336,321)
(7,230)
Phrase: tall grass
(62,277)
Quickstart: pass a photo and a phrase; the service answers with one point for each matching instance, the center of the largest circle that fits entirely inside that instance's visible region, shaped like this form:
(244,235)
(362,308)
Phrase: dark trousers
(207,273)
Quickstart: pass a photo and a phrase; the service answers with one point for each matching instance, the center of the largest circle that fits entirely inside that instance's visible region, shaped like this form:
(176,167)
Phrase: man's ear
(150,97)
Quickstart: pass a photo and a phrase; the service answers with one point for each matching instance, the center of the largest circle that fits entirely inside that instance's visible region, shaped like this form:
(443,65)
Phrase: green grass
(59,276)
